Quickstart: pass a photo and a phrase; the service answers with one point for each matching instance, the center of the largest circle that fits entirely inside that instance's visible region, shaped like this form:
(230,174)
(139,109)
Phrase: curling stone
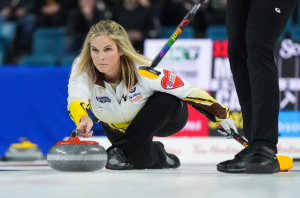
(24,151)
(74,155)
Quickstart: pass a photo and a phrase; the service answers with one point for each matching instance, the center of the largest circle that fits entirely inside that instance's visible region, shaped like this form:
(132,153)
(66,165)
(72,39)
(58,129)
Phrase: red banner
(196,126)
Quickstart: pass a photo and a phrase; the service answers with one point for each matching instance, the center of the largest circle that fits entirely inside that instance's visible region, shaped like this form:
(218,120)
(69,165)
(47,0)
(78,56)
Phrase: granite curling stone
(74,155)
(25,151)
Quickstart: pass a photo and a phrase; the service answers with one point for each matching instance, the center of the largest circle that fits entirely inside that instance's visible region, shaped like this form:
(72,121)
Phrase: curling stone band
(77,158)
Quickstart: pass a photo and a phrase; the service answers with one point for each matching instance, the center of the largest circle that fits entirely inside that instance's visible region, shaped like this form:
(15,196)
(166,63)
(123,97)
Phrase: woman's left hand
(227,125)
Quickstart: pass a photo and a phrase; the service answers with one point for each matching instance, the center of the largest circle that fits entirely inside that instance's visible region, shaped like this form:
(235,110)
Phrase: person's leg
(162,115)
(236,22)
(267,20)
(111,136)
(116,158)
(164,159)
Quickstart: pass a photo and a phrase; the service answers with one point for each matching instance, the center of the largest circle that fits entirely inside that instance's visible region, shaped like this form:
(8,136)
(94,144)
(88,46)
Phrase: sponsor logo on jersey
(171,81)
(103,99)
(137,98)
(132,90)
(134,95)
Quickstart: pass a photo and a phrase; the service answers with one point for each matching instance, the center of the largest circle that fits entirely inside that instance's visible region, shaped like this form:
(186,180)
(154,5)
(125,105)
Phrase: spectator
(102,6)
(79,22)
(155,5)
(21,13)
(53,12)
(111,4)
(139,22)
(145,3)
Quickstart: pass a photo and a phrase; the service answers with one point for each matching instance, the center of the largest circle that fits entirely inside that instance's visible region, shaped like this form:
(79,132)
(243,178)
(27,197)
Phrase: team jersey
(117,109)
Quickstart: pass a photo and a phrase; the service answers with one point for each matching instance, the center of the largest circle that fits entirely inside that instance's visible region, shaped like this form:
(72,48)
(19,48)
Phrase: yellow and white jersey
(117,109)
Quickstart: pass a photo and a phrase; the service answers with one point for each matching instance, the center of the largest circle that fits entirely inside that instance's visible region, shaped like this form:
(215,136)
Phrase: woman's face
(106,56)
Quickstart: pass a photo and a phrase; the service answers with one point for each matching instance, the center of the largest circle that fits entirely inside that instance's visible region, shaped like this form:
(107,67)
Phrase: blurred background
(39,40)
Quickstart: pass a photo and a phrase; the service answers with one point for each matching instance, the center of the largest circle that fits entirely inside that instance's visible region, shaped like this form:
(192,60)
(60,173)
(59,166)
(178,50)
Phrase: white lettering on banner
(292,84)
(222,68)
(289,49)
(289,127)
(289,98)
(187,74)
(193,126)
(226,93)
(217,84)
(229,99)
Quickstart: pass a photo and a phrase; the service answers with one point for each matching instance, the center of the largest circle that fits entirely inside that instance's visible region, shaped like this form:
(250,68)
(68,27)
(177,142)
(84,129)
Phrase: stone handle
(76,132)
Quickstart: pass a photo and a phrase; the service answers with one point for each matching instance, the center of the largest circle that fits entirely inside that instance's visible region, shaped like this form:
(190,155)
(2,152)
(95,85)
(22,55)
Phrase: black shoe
(238,164)
(263,160)
(172,161)
(116,160)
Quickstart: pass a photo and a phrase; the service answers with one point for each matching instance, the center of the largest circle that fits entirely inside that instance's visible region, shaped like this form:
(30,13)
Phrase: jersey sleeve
(78,96)
(170,83)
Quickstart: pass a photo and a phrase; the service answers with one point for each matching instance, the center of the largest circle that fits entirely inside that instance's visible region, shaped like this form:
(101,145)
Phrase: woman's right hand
(85,125)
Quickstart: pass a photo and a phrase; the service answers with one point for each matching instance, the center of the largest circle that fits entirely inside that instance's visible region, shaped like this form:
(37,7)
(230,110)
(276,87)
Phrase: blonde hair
(116,32)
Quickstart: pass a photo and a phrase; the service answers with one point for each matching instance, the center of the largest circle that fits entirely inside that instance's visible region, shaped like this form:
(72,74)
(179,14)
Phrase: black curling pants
(163,115)
(253,28)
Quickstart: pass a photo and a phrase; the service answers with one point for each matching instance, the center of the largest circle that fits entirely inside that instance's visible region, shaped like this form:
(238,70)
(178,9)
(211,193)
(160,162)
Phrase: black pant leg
(266,21)
(162,115)
(236,24)
(111,136)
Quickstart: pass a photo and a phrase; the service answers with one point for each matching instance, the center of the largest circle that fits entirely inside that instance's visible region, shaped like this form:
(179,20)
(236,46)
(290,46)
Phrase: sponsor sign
(223,90)
(289,124)
(222,86)
(208,150)
(287,60)
(196,126)
(189,59)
